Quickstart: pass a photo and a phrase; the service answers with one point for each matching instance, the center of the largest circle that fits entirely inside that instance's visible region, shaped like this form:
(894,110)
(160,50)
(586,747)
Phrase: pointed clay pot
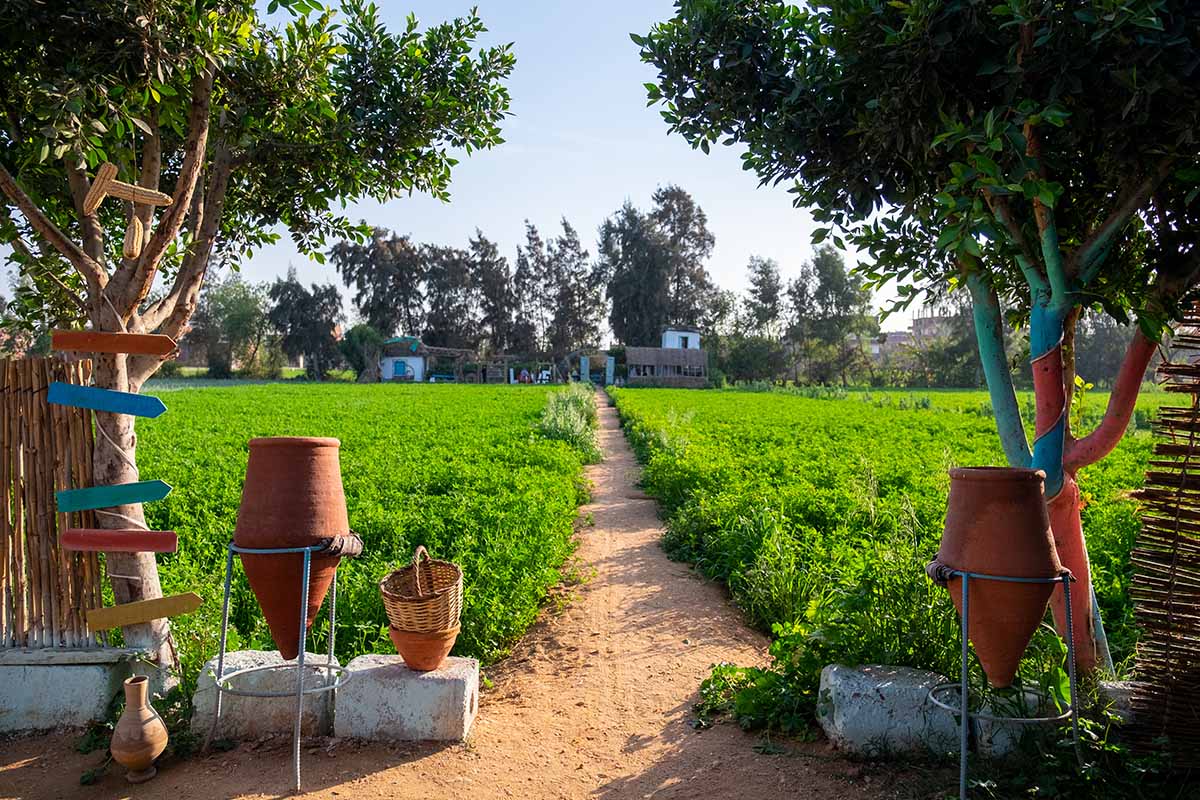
(292,498)
(997,524)
(423,651)
(140,735)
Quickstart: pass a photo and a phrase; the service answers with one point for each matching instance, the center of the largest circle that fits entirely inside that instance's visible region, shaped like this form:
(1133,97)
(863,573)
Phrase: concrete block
(384,699)
(1118,696)
(43,690)
(878,711)
(251,717)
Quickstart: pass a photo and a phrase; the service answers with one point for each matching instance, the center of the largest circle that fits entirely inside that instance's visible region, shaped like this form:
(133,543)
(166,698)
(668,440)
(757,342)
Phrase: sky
(580,142)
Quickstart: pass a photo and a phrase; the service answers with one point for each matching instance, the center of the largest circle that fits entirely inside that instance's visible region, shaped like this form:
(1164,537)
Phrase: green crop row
(459,469)
(820,515)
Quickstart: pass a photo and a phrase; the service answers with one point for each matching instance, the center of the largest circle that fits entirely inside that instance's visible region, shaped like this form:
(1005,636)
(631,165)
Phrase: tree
(247,127)
(764,301)
(497,300)
(635,264)
(307,322)
(830,317)
(684,226)
(386,274)
(231,321)
(752,358)
(361,347)
(452,318)
(576,290)
(529,285)
(1043,156)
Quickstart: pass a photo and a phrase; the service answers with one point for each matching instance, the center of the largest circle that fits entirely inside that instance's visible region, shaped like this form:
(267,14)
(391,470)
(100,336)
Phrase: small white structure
(403,359)
(250,717)
(403,368)
(681,339)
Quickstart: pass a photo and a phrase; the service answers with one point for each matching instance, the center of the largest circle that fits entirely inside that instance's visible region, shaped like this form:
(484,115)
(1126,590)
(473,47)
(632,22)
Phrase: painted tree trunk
(1067,526)
(134,576)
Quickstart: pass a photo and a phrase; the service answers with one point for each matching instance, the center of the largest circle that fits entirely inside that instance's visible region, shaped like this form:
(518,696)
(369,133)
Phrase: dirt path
(595,702)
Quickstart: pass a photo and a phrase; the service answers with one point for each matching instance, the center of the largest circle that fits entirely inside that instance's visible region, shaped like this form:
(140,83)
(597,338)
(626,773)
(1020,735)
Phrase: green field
(820,514)
(459,469)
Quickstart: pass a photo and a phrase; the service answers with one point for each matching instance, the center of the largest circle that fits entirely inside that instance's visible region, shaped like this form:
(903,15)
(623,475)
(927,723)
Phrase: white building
(681,339)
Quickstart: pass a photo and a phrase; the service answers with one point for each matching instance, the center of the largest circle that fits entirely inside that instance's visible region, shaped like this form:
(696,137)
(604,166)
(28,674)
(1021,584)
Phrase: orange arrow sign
(143,344)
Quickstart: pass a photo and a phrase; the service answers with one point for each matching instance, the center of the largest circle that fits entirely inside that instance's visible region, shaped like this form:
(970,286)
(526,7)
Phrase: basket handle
(416,565)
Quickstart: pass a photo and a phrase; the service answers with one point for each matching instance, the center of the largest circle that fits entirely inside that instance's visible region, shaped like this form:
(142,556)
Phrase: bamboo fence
(1166,580)
(45,591)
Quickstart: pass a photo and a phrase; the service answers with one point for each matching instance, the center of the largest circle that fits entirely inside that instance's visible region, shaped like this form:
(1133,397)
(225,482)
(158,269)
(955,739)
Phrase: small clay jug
(997,524)
(140,735)
(423,651)
(292,497)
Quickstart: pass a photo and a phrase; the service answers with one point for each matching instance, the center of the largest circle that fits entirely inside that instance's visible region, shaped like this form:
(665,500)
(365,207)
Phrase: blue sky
(580,142)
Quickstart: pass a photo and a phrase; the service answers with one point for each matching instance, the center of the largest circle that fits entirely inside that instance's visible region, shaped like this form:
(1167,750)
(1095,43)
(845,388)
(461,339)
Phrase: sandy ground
(595,702)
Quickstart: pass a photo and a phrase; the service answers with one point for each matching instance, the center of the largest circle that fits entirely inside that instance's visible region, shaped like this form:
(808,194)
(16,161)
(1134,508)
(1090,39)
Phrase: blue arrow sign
(70,500)
(139,405)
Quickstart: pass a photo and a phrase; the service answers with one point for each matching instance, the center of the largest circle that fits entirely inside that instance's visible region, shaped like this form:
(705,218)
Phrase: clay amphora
(423,651)
(997,524)
(292,498)
(140,735)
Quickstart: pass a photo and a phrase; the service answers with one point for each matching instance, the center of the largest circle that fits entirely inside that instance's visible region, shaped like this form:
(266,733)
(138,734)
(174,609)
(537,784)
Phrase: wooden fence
(44,591)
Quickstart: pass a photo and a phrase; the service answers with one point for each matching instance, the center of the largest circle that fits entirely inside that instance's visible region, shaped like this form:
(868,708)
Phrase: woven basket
(424,597)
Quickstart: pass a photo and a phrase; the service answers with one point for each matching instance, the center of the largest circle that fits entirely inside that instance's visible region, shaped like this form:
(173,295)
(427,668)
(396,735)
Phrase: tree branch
(151,169)
(93,233)
(89,268)
(989,334)
(1121,402)
(171,314)
(1087,258)
(132,285)
(1026,258)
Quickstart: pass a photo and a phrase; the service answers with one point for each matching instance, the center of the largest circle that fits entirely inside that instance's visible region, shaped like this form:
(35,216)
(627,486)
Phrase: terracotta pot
(140,735)
(423,651)
(997,524)
(292,498)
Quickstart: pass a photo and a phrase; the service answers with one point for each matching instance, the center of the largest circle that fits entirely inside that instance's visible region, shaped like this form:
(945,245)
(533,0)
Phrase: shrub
(571,416)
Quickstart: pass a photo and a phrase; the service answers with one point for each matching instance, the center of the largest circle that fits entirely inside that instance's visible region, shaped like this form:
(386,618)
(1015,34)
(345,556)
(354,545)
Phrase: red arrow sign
(95,540)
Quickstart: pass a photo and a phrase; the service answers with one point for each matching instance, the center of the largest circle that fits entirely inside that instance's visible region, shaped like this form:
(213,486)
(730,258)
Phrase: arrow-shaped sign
(71,500)
(148,344)
(94,540)
(139,405)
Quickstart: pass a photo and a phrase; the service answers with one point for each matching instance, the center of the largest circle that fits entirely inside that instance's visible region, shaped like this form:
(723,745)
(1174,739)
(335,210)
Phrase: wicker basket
(424,597)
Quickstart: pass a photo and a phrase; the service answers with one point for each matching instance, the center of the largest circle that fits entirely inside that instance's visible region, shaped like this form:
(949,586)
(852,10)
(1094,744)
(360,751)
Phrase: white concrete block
(46,689)
(878,711)
(250,717)
(384,699)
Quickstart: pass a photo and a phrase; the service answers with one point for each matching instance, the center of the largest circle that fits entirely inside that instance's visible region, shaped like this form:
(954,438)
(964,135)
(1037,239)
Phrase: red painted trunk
(1068,540)
(996,524)
(292,498)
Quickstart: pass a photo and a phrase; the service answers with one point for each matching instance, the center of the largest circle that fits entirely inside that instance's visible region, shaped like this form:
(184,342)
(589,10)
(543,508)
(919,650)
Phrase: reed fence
(45,591)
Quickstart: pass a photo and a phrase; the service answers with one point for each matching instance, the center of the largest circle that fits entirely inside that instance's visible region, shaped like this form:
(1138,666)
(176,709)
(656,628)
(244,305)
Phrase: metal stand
(335,675)
(965,715)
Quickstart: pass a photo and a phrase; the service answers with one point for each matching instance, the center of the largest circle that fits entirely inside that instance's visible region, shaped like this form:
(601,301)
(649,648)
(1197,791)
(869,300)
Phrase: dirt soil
(595,702)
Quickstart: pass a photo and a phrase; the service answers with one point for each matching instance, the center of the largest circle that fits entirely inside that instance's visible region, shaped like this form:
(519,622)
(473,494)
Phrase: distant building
(680,362)
(402,359)
(681,339)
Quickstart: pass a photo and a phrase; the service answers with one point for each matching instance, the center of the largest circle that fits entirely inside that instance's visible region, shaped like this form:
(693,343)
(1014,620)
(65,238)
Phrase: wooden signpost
(144,344)
(100,540)
(119,494)
(96,497)
(142,611)
(139,405)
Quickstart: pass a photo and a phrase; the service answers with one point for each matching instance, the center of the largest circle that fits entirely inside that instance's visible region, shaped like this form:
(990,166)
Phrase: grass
(820,512)
(460,469)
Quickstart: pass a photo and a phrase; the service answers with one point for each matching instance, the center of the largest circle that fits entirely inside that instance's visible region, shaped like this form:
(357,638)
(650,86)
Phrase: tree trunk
(134,576)
(1067,525)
